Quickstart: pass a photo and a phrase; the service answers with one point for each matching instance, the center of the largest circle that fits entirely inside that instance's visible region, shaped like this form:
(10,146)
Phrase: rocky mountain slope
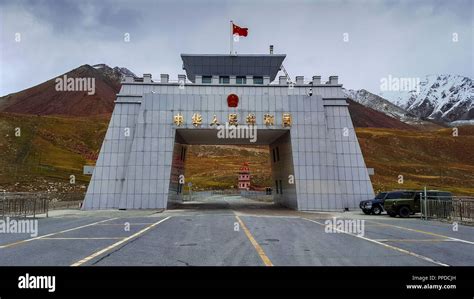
(45,99)
(380,104)
(441,97)
(364,117)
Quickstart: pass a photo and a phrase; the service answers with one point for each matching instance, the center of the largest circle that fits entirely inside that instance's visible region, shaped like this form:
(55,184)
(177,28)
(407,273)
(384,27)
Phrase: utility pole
(426,212)
(231,37)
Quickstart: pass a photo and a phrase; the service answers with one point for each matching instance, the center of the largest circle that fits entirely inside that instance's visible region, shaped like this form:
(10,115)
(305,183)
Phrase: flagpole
(231,39)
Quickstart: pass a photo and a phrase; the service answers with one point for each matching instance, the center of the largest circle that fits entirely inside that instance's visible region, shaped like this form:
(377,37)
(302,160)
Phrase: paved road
(233,231)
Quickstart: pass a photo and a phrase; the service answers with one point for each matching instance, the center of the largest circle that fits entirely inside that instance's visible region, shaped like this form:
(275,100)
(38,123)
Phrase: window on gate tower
(241,80)
(224,80)
(207,79)
(257,80)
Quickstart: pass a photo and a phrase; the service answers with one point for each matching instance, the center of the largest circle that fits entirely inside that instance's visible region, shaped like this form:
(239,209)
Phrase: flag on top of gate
(239,30)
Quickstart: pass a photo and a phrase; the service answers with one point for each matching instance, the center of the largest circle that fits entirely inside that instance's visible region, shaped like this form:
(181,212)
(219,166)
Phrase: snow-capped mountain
(117,73)
(378,103)
(441,97)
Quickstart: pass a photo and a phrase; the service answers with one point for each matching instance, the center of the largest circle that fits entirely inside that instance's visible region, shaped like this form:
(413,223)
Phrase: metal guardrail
(252,194)
(23,204)
(258,195)
(18,206)
(196,195)
(241,192)
(459,209)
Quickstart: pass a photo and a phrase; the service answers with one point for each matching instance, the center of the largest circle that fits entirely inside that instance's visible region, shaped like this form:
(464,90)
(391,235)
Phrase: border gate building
(315,157)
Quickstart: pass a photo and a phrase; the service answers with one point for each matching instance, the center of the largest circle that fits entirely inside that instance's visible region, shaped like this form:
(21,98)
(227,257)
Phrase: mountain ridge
(440,97)
(44,99)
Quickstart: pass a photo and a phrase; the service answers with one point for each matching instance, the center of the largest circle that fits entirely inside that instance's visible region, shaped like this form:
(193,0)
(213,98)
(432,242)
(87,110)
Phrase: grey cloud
(402,38)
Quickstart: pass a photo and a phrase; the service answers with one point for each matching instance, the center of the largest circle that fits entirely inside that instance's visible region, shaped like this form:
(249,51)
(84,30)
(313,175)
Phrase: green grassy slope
(50,149)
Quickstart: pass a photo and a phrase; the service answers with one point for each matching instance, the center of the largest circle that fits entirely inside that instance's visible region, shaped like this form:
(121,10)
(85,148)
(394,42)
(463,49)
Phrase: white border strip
(96,254)
(386,245)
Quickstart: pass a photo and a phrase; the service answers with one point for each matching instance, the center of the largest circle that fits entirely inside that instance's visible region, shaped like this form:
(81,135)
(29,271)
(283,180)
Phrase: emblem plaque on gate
(232,100)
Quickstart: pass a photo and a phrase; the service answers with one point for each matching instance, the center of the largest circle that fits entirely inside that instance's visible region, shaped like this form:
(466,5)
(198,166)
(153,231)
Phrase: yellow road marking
(122,224)
(255,244)
(424,232)
(53,234)
(385,245)
(102,251)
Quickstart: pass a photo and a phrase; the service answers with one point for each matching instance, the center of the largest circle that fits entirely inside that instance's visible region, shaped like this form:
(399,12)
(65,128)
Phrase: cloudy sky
(398,38)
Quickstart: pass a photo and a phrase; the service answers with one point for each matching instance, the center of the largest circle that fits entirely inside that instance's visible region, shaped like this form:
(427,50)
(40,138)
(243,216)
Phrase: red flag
(239,30)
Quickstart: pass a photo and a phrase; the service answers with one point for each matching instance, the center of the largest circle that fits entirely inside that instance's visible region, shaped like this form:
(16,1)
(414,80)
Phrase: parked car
(373,206)
(405,203)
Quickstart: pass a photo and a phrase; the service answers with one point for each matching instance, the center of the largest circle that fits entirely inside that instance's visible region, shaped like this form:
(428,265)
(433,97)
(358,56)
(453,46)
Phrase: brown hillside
(435,159)
(365,117)
(50,149)
(216,166)
(43,99)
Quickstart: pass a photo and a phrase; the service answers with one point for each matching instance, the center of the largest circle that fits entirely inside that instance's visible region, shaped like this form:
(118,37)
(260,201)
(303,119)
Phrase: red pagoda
(244,177)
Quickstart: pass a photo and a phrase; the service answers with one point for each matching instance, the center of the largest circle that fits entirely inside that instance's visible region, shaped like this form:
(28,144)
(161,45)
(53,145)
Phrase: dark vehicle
(406,203)
(373,206)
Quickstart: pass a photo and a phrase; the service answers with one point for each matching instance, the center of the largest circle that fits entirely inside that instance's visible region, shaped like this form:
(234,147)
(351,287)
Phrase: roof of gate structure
(264,65)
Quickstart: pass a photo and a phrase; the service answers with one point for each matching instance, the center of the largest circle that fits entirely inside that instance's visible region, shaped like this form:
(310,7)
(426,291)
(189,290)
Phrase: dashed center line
(122,224)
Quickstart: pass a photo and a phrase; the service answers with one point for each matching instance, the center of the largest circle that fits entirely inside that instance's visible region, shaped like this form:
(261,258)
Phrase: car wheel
(404,212)
(376,210)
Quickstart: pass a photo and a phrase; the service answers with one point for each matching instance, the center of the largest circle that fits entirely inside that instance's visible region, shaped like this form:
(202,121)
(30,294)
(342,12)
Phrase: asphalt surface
(233,231)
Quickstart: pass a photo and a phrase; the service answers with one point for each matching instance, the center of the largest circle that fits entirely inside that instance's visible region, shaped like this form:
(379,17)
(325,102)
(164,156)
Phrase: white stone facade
(144,152)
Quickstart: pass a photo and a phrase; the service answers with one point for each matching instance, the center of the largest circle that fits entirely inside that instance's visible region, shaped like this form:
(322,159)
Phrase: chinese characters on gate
(250,119)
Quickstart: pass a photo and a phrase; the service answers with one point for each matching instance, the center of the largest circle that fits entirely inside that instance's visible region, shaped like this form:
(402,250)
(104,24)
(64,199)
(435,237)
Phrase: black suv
(374,206)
